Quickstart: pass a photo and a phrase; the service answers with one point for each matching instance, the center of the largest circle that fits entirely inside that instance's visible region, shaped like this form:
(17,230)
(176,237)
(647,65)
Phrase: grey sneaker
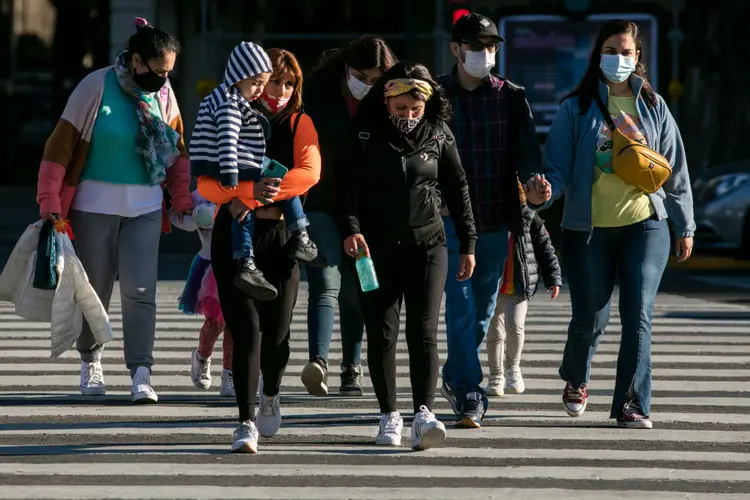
(351,377)
(268,419)
(141,391)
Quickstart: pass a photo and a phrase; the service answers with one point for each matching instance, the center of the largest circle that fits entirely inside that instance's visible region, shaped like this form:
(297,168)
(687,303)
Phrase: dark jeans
(330,286)
(242,232)
(469,308)
(415,275)
(260,330)
(636,255)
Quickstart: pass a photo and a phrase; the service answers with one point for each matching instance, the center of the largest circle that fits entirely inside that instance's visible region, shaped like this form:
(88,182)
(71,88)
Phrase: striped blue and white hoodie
(229,138)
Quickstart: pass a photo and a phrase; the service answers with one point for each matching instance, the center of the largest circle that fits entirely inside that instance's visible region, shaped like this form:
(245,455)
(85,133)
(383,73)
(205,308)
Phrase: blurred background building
(697,53)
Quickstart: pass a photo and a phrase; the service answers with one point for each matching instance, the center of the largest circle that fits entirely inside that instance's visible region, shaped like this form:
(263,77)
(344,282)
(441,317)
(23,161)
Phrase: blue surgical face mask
(617,68)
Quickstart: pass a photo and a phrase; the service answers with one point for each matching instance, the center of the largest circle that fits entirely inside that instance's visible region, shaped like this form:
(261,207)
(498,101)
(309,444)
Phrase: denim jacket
(569,156)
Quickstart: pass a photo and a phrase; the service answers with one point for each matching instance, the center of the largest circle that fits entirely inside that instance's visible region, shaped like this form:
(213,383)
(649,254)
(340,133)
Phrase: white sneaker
(92,379)
(268,419)
(200,371)
(495,386)
(141,391)
(426,431)
(391,425)
(245,438)
(227,385)
(514,383)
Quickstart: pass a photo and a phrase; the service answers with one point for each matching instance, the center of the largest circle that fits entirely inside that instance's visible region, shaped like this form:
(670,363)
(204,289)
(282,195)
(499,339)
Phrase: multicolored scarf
(508,285)
(156,142)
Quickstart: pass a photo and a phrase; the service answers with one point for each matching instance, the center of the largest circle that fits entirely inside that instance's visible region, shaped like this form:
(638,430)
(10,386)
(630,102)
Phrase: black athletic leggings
(416,275)
(247,318)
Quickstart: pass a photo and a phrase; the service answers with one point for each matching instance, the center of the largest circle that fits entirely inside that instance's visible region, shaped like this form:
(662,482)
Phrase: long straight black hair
(588,87)
(363,53)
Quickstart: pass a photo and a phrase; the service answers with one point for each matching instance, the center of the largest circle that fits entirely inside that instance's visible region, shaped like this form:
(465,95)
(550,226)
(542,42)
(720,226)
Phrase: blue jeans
(469,306)
(242,232)
(636,255)
(335,284)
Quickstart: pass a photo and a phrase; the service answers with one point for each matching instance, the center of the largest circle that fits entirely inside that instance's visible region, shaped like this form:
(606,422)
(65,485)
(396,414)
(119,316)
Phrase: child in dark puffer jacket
(530,254)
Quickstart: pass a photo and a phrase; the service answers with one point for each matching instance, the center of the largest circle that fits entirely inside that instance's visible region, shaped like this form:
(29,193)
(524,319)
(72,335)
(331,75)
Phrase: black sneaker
(250,280)
(472,411)
(350,381)
(315,377)
(302,249)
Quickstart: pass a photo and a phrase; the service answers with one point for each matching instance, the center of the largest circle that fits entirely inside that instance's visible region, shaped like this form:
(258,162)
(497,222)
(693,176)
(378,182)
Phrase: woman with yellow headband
(399,159)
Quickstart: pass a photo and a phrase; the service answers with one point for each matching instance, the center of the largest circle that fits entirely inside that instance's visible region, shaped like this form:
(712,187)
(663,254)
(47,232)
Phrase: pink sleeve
(178,183)
(49,186)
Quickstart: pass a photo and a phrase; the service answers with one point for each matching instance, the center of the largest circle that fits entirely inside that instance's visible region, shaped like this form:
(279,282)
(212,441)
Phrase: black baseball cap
(473,26)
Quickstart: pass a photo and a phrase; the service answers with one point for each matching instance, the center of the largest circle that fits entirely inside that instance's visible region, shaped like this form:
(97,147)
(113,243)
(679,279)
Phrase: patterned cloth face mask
(405,125)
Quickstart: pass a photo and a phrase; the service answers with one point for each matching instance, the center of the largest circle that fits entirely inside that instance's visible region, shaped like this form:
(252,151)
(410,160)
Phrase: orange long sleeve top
(304,175)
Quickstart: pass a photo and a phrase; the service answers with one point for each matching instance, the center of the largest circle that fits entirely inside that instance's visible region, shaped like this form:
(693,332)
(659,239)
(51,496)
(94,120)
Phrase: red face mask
(274,104)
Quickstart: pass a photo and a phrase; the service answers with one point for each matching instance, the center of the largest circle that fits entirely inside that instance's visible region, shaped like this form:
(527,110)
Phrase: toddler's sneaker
(302,249)
(495,386)
(514,384)
(200,371)
(251,281)
(227,384)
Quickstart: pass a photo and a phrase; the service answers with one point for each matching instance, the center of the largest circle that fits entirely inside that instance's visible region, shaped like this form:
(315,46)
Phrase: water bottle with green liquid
(368,280)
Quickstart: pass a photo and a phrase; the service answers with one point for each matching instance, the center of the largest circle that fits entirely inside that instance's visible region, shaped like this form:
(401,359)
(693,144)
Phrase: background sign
(549,54)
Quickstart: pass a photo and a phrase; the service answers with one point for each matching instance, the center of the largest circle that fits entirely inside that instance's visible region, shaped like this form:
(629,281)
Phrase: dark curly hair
(437,109)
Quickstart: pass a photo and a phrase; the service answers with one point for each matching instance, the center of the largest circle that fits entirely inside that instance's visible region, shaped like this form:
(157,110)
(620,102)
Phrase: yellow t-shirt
(614,203)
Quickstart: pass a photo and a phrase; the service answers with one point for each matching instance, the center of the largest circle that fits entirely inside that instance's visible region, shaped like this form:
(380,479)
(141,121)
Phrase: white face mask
(358,88)
(478,64)
(617,68)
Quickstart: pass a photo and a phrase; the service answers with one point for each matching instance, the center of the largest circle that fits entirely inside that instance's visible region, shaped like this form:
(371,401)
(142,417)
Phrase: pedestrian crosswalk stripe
(56,443)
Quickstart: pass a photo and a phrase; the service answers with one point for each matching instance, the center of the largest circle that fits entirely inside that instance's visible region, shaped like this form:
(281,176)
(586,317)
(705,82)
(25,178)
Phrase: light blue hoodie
(569,158)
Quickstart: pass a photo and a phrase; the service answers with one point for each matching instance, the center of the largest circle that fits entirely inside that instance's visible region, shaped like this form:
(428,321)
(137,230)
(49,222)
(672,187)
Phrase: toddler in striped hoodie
(229,144)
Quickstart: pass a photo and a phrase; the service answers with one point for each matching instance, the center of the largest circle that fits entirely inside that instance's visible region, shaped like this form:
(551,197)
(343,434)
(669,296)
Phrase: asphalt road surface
(54,443)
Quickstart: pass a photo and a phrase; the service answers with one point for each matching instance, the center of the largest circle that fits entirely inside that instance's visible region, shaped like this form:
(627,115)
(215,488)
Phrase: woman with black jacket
(399,153)
(333,93)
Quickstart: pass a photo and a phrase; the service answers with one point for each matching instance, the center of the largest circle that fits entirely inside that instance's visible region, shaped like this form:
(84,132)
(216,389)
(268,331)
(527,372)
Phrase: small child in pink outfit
(200,296)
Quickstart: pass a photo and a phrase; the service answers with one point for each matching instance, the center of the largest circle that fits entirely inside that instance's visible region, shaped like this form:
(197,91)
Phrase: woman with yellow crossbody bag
(621,174)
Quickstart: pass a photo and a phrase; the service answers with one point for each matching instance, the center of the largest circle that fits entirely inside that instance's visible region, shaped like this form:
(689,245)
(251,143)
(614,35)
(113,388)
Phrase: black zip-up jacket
(387,184)
(534,255)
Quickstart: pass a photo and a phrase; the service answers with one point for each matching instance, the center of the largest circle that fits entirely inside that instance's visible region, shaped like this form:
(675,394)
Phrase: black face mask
(149,81)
